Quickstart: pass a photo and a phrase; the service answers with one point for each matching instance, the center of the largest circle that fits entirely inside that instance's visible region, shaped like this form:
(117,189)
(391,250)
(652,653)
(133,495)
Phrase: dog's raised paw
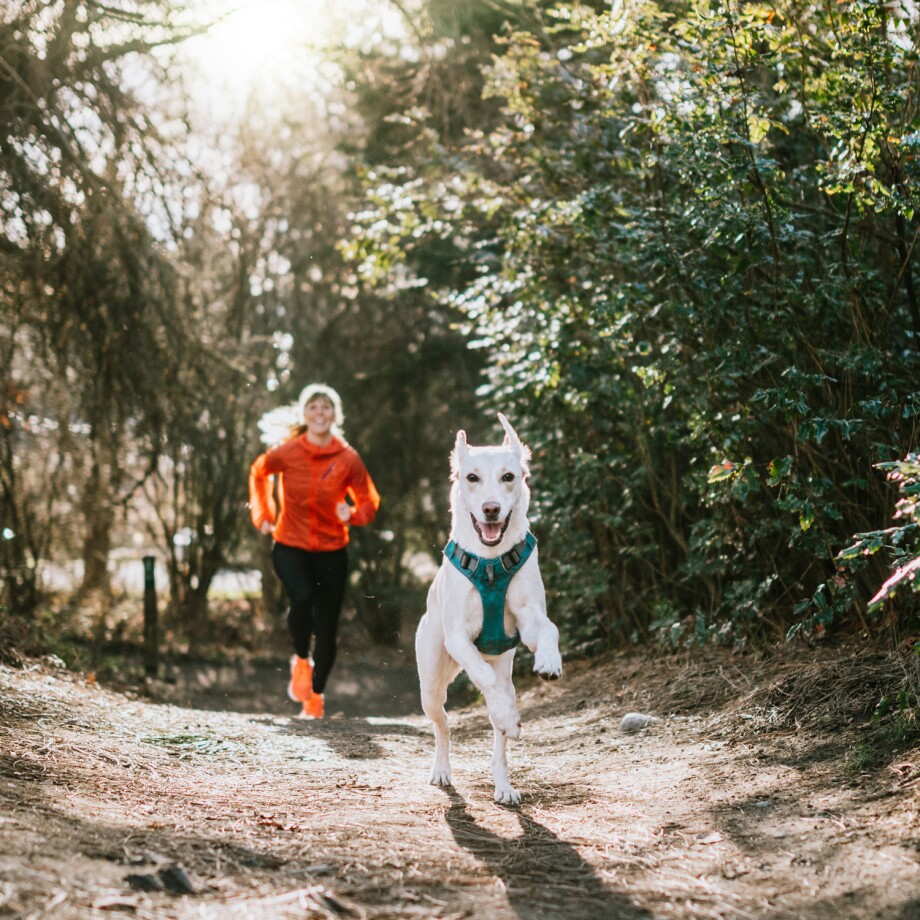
(505,718)
(550,675)
(507,795)
(510,729)
(548,670)
(548,664)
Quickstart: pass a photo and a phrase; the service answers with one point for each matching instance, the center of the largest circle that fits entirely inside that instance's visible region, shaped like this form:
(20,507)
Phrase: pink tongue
(491,531)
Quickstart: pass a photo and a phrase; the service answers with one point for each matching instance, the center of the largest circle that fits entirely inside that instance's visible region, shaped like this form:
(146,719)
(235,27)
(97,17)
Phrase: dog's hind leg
(436,670)
(505,793)
(434,695)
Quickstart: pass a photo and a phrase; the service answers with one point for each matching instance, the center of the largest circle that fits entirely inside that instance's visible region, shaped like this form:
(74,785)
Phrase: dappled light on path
(382,684)
(542,875)
(119,802)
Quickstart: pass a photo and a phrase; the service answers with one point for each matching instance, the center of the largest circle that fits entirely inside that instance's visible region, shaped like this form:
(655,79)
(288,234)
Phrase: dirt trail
(737,803)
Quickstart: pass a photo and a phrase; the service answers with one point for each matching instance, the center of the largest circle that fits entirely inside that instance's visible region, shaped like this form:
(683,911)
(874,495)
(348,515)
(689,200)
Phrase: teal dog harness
(491,578)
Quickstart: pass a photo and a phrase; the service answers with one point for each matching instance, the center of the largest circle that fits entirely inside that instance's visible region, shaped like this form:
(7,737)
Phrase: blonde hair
(277,425)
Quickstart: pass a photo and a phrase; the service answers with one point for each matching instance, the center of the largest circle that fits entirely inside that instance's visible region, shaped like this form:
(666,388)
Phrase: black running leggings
(315,584)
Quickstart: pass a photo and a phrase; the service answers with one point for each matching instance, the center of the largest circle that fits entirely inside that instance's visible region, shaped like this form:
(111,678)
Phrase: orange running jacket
(312,480)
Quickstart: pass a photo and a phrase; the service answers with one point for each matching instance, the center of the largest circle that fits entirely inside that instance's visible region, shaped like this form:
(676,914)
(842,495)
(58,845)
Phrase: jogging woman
(316,472)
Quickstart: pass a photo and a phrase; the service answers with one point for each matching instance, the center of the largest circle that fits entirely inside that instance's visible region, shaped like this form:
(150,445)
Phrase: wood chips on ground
(765,790)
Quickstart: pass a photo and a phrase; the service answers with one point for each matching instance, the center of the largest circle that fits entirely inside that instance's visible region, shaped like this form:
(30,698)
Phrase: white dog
(486,597)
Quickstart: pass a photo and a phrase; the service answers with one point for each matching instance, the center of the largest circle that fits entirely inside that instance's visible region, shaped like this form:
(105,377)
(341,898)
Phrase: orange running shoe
(300,688)
(313,707)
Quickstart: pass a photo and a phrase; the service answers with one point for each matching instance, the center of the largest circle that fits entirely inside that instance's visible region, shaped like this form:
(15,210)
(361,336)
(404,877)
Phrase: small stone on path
(636,721)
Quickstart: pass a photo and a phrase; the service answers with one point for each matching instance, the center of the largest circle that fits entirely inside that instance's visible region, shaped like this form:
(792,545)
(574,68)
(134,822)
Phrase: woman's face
(318,415)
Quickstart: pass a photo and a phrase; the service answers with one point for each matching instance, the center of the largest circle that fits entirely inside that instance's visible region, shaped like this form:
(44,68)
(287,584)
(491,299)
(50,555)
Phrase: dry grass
(274,818)
(788,687)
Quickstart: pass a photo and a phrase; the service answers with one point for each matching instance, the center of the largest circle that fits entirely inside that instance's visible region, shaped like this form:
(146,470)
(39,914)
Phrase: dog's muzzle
(491,532)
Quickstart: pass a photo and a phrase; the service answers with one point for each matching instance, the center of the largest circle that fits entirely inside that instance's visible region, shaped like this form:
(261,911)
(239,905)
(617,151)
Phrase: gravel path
(737,803)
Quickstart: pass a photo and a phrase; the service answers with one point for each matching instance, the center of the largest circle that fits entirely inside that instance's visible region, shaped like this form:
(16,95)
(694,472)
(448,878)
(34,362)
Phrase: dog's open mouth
(491,532)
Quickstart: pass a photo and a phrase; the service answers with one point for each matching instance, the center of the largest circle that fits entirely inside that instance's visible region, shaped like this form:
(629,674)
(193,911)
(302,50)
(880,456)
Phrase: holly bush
(689,259)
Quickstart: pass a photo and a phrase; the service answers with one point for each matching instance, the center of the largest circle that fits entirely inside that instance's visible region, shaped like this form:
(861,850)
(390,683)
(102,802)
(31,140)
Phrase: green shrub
(692,238)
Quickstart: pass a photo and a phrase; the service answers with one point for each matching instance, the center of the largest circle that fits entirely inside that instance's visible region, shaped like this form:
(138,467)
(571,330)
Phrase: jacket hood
(335,446)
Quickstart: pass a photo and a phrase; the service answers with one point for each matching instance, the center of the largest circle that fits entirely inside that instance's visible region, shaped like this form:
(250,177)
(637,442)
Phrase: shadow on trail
(544,876)
(360,686)
(354,739)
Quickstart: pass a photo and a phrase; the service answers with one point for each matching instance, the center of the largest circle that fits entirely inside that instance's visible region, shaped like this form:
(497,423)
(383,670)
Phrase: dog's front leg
(541,636)
(527,598)
(505,793)
(502,709)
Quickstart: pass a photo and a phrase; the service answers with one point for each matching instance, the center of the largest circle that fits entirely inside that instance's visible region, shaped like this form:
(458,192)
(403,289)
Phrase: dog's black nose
(491,510)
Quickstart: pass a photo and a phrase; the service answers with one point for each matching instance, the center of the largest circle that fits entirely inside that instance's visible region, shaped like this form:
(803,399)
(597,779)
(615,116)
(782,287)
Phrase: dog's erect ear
(511,438)
(514,442)
(458,453)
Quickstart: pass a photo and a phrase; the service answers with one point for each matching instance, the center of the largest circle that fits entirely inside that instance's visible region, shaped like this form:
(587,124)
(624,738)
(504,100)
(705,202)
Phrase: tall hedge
(692,237)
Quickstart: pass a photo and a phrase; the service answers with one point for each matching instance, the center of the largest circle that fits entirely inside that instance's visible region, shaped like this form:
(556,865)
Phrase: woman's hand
(266,527)
(343,511)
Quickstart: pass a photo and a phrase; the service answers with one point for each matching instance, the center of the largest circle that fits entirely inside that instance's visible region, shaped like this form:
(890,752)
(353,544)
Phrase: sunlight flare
(257,43)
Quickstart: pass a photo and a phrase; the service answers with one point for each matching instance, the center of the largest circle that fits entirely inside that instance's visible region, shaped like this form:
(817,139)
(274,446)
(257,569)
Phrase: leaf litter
(741,796)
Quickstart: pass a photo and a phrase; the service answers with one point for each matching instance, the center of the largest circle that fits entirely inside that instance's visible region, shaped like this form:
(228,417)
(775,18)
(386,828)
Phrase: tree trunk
(99,515)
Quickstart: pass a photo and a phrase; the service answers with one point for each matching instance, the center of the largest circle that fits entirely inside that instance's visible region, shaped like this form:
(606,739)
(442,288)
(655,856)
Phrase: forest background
(675,242)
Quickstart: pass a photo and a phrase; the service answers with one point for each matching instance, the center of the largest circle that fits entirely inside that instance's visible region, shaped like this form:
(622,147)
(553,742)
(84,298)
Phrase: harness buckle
(468,563)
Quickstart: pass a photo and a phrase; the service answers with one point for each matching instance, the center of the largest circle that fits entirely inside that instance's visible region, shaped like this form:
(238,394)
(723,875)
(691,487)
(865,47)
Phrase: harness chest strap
(491,578)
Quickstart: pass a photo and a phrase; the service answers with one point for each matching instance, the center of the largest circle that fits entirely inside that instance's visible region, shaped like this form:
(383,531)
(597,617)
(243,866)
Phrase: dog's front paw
(440,776)
(507,795)
(548,665)
(506,720)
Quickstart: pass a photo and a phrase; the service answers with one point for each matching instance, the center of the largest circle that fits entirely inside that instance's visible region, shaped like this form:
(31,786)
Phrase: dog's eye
(472,477)
(508,477)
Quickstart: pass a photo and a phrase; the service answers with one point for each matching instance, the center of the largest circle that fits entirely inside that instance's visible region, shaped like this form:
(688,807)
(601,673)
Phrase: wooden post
(151,639)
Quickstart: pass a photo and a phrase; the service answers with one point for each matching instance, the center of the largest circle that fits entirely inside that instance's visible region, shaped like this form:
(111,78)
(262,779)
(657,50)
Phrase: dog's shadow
(544,876)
